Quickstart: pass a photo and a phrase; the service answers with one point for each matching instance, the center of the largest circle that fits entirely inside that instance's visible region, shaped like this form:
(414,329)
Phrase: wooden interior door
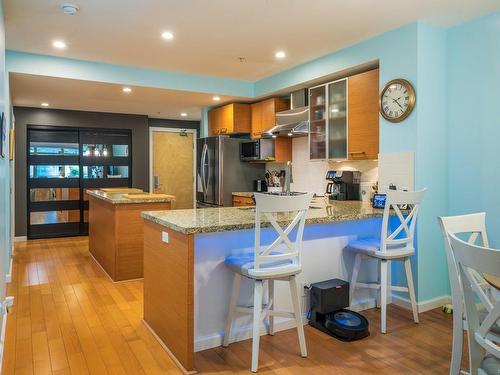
(172,162)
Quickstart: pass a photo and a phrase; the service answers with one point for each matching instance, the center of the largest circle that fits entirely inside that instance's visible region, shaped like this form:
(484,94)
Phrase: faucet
(288,177)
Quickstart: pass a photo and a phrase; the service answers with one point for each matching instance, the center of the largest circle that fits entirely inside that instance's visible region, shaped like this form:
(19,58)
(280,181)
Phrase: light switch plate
(164,236)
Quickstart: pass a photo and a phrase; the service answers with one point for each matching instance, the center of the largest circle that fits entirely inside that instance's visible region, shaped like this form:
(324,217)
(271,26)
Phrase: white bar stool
(267,264)
(396,245)
(484,348)
(475,226)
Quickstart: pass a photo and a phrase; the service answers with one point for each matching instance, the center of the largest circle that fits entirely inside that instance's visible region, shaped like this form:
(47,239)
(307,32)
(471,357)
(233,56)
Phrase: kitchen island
(187,286)
(116,230)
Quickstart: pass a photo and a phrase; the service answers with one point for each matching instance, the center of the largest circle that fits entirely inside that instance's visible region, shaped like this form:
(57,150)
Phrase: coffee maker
(344,185)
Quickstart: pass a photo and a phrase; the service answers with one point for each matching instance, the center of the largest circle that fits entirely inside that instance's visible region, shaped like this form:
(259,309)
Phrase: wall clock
(397,100)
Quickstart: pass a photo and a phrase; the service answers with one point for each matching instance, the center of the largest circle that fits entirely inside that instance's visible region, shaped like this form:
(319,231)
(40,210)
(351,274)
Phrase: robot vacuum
(347,325)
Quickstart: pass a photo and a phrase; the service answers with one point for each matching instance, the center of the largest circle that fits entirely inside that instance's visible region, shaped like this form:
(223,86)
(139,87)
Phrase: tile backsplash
(398,169)
(309,175)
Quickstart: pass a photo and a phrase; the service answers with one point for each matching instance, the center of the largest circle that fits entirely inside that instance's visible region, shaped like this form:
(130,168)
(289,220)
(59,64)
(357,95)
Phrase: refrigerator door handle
(203,164)
(207,177)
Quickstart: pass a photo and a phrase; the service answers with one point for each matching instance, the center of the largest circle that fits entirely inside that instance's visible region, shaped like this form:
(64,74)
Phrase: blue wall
(5,244)
(473,92)
(431,160)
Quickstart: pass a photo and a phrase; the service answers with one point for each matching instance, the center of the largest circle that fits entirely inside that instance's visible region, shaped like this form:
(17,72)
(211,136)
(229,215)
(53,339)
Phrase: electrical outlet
(164,237)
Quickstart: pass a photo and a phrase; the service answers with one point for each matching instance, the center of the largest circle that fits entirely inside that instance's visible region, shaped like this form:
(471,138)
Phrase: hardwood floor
(69,318)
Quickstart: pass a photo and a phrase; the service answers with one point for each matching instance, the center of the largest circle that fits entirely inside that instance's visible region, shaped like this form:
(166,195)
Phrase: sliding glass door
(53,183)
(105,163)
(62,164)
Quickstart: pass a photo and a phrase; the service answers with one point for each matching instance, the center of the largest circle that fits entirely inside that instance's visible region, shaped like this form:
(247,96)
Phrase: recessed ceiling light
(127,90)
(45,104)
(167,35)
(59,44)
(216,98)
(70,9)
(184,114)
(280,55)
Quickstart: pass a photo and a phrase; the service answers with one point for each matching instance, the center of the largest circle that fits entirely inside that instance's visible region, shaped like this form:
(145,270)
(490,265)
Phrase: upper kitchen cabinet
(337,119)
(229,119)
(317,122)
(264,114)
(363,117)
(344,118)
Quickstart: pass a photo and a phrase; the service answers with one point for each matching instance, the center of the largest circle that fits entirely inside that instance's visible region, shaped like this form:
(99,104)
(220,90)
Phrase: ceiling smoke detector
(70,9)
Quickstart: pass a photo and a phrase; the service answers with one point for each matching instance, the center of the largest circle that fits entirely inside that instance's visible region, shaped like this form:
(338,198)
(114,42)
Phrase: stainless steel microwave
(257,150)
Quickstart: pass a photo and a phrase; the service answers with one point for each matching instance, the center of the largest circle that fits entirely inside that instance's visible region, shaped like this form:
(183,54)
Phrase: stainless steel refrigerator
(220,171)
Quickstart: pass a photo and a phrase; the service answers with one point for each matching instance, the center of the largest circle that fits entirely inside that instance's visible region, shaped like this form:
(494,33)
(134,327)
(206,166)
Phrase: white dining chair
(484,348)
(278,261)
(393,245)
(474,227)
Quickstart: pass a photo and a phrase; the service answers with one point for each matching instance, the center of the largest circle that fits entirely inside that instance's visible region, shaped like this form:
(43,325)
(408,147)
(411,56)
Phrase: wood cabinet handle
(223,130)
(357,152)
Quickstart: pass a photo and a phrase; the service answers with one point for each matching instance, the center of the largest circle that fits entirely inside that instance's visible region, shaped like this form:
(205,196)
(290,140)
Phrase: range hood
(293,122)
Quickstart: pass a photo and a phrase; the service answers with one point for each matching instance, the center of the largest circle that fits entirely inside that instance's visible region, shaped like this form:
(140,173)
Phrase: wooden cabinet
(242,200)
(264,114)
(282,150)
(344,119)
(229,119)
(363,117)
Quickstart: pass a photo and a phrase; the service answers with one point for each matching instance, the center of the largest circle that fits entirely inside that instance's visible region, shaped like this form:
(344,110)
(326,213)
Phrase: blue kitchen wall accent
(53,66)
(431,162)
(5,180)
(473,92)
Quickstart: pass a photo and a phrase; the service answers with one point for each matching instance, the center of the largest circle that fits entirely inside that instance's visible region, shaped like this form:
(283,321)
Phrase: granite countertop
(222,219)
(121,198)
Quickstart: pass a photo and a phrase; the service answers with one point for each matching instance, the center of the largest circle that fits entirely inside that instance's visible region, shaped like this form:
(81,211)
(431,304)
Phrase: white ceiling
(31,90)
(210,35)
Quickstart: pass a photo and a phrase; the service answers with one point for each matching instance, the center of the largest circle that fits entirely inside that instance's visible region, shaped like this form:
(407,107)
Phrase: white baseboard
(422,306)
(20,238)
(242,333)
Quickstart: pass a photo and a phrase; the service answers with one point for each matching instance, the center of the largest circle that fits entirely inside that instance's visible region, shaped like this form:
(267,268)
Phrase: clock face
(397,100)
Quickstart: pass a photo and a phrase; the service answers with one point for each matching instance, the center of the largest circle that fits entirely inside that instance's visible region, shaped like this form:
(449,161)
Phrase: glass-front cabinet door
(317,122)
(337,119)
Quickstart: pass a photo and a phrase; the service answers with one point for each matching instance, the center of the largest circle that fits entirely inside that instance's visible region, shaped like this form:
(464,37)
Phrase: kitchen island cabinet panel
(116,232)
(171,322)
